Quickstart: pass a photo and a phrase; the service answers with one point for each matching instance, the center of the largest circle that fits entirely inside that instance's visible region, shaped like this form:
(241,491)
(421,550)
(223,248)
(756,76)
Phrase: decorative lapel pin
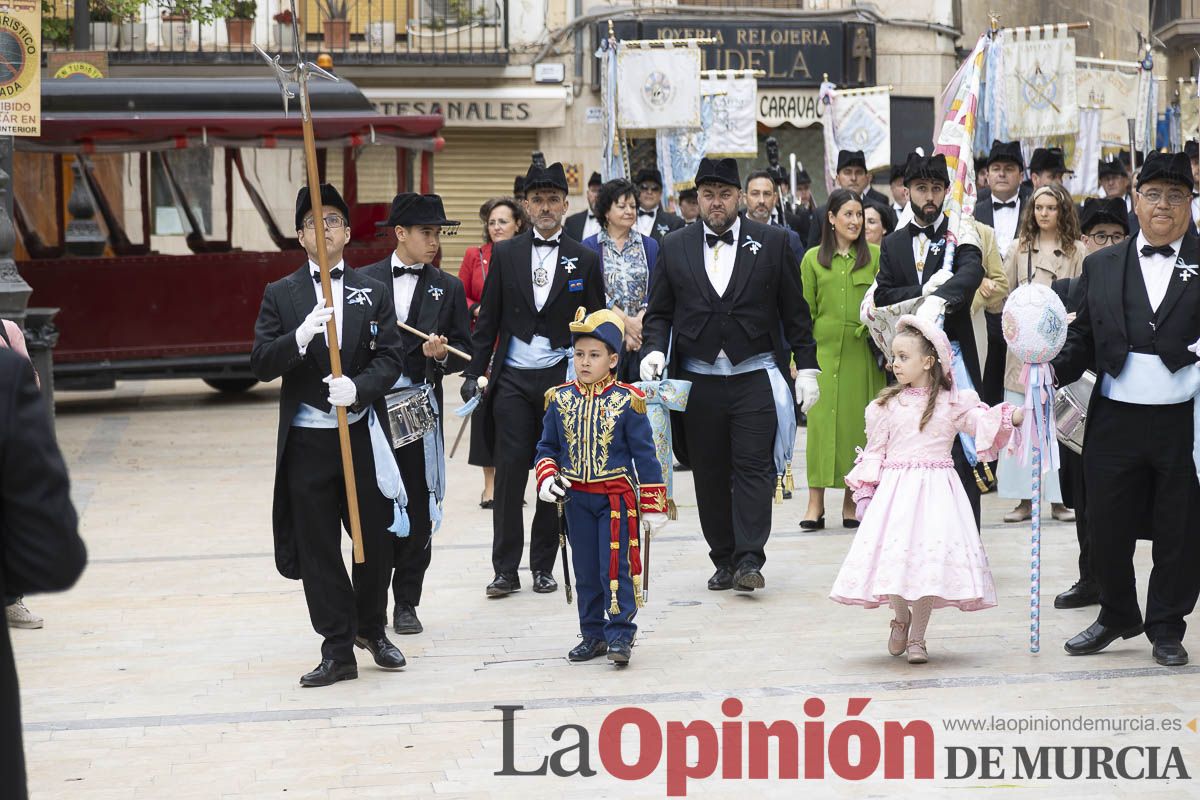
(358,297)
(374,334)
(936,247)
(754,246)
(662,229)
(1187,271)
(568,263)
(436,292)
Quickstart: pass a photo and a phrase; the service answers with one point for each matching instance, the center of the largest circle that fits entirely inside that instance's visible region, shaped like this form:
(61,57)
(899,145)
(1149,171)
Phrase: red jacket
(472,273)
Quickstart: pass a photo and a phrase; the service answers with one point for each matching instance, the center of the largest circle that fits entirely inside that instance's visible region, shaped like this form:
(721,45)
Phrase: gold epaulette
(554,390)
(637,398)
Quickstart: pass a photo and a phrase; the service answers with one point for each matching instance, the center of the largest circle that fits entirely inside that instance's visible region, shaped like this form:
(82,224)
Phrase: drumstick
(427,337)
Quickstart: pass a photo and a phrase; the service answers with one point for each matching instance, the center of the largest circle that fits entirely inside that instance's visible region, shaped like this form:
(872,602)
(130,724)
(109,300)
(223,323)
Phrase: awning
(501,107)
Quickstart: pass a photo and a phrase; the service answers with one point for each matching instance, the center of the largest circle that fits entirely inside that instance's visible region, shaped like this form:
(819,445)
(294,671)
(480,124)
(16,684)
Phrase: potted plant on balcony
(239,20)
(56,31)
(102,26)
(336,23)
(461,25)
(284,33)
(132,31)
(178,17)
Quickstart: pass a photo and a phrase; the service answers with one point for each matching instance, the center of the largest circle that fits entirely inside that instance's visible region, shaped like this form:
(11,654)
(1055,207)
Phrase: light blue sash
(435,457)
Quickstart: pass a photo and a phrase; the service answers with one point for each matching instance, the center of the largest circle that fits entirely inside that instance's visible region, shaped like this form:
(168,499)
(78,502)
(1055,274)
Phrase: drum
(410,414)
(1070,411)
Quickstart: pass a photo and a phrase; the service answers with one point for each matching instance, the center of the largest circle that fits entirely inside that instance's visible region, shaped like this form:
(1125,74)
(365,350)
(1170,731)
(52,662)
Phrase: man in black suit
(584,224)
(40,548)
(1000,208)
(728,293)
(1115,181)
(433,302)
(310,496)
(910,266)
(536,283)
(689,206)
(1047,166)
(1138,329)
(653,220)
(851,174)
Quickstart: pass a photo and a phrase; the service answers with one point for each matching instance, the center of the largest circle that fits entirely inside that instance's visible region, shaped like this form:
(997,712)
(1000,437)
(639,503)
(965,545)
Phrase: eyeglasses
(1104,239)
(332,221)
(1173,198)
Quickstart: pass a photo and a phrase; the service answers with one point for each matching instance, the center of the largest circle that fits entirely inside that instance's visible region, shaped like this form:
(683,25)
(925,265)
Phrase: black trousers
(966,474)
(518,409)
(339,606)
(991,391)
(1138,466)
(730,427)
(1070,477)
(413,552)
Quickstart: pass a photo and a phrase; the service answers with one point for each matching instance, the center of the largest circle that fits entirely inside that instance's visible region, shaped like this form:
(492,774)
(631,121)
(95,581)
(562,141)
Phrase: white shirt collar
(314,267)
(1141,242)
(396,262)
(736,227)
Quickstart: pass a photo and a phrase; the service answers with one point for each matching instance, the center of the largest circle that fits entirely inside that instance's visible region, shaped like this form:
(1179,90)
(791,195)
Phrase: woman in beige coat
(1046,250)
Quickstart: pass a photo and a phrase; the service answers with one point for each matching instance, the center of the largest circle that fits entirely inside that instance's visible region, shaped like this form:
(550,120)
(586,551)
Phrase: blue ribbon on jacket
(663,397)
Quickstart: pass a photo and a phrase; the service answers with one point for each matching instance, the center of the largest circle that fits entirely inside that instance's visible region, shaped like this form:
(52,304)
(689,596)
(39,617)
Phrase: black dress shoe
(748,578)
(813,524)
(1097,637)
(544,583)
(329,672)
(588,649)
(721,580)
(849,522)
(486,504)
(1170,653)
(1080,595)
(502,585)
(405,621)
(387,655)
(787,494)
(619,652)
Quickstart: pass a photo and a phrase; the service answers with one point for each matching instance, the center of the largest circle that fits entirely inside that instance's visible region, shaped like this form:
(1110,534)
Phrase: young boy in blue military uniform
(597,455)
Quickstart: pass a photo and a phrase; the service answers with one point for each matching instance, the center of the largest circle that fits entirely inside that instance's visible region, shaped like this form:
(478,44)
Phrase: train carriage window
(192,170)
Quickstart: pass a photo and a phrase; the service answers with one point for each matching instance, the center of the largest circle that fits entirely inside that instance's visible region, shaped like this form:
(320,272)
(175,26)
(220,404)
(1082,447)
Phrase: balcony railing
(359,32)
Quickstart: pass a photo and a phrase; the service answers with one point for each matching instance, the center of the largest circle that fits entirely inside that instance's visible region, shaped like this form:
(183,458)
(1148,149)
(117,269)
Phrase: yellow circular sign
(79,68)
(18,56)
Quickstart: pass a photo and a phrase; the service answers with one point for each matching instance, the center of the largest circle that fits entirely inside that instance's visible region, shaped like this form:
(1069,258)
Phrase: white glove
(935,282)
(551,489)
(313,324)
(654,364)
(655,519)
(932,309)
(807,391)
(342,391)
(1195,348)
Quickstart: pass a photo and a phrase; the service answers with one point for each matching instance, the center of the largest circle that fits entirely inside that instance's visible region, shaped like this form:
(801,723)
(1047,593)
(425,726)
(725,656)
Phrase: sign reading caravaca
(791,53)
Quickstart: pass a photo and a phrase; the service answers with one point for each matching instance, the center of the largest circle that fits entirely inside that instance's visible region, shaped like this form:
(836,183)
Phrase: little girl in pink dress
(918,544)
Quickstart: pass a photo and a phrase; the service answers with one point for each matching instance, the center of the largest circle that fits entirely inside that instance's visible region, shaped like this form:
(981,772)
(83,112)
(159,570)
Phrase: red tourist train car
(211,168)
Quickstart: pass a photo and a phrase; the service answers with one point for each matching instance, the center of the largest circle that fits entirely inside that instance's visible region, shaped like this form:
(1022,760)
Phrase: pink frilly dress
(918,536)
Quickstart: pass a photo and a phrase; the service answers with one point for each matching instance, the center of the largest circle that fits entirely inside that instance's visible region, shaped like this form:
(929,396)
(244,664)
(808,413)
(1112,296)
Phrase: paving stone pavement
(170,671)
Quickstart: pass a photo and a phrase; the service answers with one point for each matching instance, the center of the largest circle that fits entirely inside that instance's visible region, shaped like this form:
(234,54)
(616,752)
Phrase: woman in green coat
(836,276)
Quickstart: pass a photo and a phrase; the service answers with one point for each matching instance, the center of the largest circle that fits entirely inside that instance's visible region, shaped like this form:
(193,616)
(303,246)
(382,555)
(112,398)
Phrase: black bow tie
(711,239)
(545,242)
(334,274)
(1161,250)
(916,230)
(997,205)
(398,271)
(644,213)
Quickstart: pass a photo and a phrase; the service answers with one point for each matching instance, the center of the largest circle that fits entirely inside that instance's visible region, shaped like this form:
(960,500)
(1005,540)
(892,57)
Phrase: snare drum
(410,414)
(1070,411)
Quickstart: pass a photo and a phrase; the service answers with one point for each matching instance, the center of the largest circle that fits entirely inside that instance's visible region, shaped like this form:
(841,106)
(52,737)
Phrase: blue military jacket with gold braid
(598,433)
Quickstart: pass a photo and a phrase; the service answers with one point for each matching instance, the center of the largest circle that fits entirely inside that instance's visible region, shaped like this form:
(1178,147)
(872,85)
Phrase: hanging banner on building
(1114,93)
(1189,110)
(857,119)
(1084,180)
(1039,76)
(679,151)
(20,69)
(658,87)
(734,129)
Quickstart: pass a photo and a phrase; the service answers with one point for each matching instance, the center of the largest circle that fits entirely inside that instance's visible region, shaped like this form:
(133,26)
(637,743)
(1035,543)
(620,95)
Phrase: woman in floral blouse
(628,259)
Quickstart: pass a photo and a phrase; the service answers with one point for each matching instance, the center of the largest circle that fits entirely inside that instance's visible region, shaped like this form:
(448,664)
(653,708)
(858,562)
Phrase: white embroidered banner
(1114,93)
(658,88)
(857,119)
(734,129)
(1039,76)
(1085,158)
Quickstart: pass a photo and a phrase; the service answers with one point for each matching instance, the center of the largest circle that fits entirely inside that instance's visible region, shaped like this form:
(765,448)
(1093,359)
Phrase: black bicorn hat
(897,173)
(850,158)
(802,177)
(410,208)
(1114,166)
(1192,149)
(932,168)
(648,175)
(1170,167)
(1101,210)
(724,171)
(518,185)
(1006,151)
(595,180)
(1048,159)
(689,194)
(330,198)
(550,177)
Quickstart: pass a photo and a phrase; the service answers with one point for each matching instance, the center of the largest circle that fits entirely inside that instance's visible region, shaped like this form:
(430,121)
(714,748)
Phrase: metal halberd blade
(297,74)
